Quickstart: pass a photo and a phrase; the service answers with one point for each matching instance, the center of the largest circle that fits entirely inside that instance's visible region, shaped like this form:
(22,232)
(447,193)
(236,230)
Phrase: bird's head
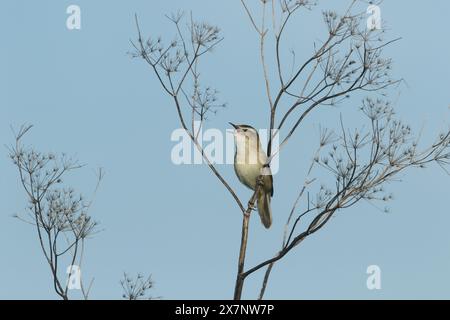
(245,132)
(248,144)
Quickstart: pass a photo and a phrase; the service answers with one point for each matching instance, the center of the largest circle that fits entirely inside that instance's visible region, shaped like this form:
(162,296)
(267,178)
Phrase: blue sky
(86,97)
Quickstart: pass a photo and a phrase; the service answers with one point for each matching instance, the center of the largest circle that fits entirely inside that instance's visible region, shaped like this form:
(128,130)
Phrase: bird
(250,162)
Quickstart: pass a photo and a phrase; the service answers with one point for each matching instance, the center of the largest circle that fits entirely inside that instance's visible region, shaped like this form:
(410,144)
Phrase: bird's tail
(264,210)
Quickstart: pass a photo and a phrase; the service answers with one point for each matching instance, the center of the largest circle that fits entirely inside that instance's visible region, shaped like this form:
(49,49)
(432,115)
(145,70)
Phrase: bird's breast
(248,173)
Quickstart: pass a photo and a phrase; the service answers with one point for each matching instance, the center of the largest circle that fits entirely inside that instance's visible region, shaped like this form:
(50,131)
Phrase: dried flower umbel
(136,288)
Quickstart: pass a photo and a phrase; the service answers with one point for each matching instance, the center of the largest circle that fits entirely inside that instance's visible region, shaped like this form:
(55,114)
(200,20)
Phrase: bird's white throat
(249,149)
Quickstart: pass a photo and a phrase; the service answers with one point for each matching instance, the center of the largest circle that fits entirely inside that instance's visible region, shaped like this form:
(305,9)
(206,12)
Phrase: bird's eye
(245,130)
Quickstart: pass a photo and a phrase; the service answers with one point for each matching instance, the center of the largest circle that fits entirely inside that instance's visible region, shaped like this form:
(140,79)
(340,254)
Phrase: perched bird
(250,163)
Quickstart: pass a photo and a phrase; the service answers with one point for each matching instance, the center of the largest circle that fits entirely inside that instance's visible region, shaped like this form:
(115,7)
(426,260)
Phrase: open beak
(233,125)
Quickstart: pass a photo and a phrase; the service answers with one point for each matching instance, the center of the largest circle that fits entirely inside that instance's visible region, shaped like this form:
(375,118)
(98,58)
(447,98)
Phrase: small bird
(250,162)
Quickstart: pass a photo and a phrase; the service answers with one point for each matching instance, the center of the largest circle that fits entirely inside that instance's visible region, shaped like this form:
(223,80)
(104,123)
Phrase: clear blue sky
(85,96)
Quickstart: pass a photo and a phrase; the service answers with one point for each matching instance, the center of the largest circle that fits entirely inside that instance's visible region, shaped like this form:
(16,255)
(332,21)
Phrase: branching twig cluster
(359,164)
(176,65)
(136,288)
(59,215)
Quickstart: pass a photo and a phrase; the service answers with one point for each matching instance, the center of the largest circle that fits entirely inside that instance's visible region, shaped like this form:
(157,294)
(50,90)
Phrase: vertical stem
(240,279)
(244,239)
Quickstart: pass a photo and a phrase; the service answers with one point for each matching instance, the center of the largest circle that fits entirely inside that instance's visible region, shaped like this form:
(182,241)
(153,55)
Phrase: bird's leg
(252,206)
(259,184)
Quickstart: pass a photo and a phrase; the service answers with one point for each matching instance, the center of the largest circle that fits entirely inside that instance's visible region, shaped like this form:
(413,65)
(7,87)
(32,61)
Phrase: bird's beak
(233,125)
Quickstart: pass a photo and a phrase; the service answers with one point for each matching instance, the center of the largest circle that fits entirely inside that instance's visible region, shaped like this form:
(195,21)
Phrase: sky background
(87,97)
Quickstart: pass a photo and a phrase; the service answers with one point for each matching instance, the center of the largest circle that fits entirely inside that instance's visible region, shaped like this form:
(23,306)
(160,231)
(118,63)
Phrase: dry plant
(59,215)
(136,288)
(349,61)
